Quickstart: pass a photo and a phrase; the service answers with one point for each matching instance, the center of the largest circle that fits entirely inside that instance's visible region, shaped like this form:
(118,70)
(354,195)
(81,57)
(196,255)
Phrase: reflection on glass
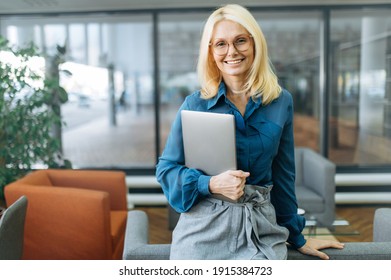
(360,88)
(109,60)
(117,104)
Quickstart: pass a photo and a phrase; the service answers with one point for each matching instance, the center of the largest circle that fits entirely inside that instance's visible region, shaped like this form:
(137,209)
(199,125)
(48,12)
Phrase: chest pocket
(264,139)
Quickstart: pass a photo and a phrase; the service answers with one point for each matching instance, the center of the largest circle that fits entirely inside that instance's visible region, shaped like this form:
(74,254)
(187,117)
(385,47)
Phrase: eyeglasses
(241,44)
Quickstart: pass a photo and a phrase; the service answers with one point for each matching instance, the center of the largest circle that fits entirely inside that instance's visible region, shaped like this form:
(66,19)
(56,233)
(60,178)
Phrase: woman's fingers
(239,173)
(312,247)
(230,183)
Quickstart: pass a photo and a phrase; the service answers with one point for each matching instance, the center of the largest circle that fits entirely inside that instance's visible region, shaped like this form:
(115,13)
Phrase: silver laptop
(209,141)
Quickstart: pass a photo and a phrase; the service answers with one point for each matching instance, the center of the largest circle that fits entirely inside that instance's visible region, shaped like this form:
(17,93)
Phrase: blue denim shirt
(265,148)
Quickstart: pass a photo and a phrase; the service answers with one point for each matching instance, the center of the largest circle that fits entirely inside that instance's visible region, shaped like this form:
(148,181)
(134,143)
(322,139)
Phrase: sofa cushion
(310,201)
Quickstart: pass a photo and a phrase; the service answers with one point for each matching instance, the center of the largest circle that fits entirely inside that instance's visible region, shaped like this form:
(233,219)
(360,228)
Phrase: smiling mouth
(233,62)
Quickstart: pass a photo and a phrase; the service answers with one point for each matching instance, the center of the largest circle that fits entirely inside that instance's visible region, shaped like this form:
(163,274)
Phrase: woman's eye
(221,44)
(240,41)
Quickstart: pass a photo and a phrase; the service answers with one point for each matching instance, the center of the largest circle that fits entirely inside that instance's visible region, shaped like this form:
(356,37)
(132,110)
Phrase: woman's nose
(231,49)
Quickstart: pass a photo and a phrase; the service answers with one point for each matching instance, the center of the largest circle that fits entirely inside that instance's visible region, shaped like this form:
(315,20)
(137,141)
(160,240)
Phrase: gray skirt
(219,229)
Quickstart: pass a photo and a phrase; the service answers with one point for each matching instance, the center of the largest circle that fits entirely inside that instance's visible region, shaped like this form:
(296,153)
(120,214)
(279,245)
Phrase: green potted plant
(30,113)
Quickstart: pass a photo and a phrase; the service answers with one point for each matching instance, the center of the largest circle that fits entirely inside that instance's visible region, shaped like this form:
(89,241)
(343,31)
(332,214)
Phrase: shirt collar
(220,92)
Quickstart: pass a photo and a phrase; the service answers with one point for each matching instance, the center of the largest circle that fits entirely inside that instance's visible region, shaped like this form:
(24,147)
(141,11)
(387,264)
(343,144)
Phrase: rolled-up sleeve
(182,186)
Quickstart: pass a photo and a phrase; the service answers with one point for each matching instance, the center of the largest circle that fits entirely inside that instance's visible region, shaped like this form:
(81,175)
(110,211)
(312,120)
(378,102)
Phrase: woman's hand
(312,247)
(229,183)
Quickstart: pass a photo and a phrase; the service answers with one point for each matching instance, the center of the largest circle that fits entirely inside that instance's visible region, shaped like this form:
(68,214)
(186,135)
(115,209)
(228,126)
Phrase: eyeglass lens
(220,47)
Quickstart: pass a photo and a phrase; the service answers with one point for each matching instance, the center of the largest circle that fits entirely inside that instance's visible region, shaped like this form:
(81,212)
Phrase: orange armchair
(72,214)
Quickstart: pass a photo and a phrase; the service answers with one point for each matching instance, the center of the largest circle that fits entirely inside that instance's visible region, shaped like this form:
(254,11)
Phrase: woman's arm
(284,197)
(283,194)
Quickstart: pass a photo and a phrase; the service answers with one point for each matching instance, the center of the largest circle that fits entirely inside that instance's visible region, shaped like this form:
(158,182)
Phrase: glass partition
(112,121)
(360,107)
(179,38)
(109,117)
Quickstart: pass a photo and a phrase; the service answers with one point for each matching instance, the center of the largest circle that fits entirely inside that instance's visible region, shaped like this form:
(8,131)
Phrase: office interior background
(132,64)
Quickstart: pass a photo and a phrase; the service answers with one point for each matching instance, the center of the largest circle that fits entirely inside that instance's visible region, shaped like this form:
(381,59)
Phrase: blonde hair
(261,80)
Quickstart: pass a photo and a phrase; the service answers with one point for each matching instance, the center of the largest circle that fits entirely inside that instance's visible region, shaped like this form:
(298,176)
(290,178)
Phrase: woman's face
(236,62)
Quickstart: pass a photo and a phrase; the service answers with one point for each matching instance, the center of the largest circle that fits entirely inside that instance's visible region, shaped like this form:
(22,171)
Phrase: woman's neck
(234,87)
(237,96)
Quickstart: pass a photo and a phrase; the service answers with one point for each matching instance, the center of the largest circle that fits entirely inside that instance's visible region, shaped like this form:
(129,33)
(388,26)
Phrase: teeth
(234,61)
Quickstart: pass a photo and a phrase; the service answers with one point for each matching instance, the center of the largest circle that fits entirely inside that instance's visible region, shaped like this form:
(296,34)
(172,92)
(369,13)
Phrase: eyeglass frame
(232,43)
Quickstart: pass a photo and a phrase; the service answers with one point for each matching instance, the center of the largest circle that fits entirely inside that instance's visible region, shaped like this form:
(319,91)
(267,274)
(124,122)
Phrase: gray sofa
(137,246)
(315,186)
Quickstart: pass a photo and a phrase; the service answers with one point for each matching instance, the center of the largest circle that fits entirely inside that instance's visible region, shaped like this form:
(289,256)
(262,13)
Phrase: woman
(236,78)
